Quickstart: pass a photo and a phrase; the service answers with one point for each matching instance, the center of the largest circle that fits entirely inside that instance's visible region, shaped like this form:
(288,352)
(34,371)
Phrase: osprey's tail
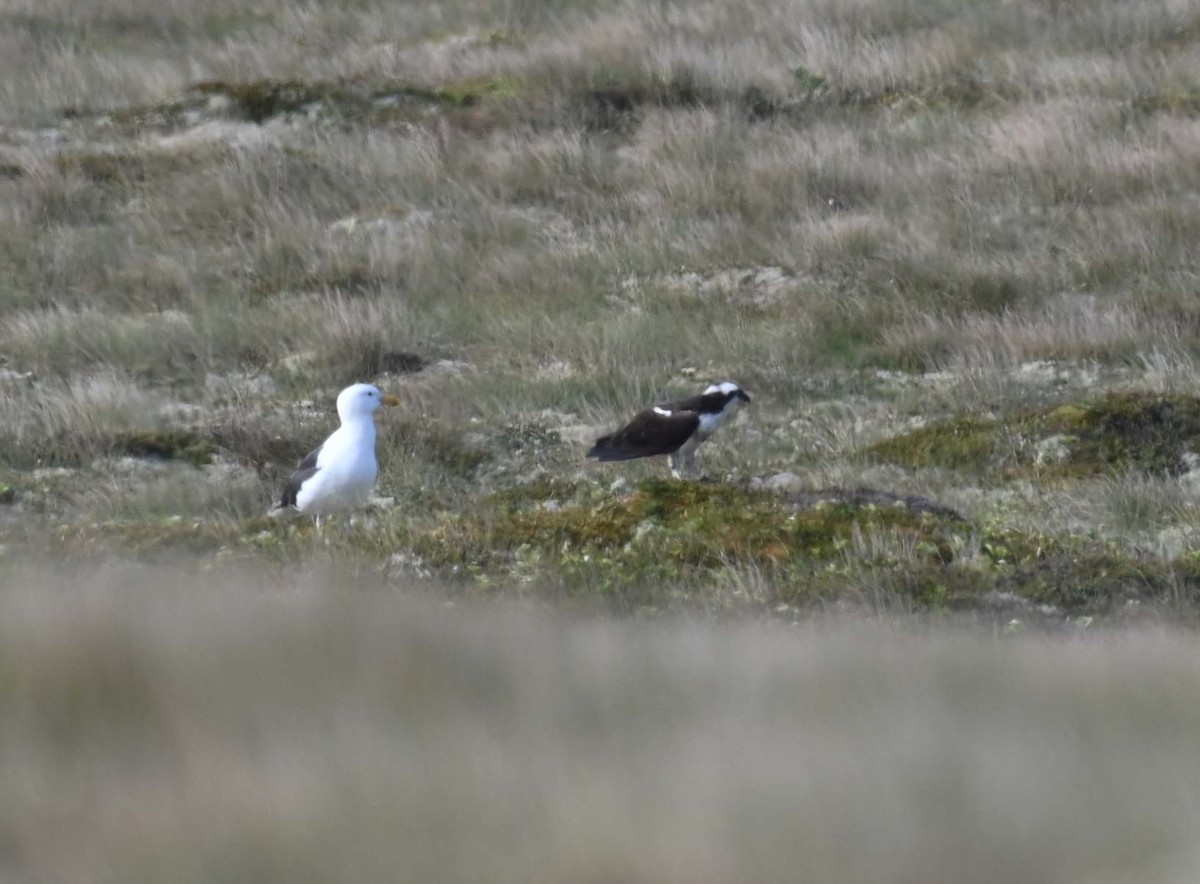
(605,450)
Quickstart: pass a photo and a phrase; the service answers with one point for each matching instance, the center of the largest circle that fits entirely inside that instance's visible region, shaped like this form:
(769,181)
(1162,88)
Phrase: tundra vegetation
(948,246)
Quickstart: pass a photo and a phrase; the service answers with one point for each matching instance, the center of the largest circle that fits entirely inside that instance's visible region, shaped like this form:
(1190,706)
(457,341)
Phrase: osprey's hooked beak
(390,400)
(742,395)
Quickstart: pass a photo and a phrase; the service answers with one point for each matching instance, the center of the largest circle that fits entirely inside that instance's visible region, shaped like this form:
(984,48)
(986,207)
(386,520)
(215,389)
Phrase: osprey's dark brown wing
(694,403)
(658,430)
(304,472)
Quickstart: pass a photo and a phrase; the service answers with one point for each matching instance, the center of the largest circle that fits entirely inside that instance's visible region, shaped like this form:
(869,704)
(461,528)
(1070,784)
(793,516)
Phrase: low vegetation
(293,723)
(948,249)
(1123,432)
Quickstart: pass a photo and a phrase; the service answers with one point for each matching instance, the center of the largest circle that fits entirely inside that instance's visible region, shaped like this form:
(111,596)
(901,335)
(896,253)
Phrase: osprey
(673,428)
(339,474)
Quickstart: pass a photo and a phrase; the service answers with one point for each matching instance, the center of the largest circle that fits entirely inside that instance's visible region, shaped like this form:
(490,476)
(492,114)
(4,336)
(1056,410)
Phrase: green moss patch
(1100,581)
(361,101)
(148,538)
(262,445)
(668,543)
(437,443)
(134,166)
(1180,102)
(1150,432)
(967,442)
(611,102)
(68,450)
(165,445)
(668,529)
(475,90)
(368,359)
(610,99)
(640,549)
(261,100)
(1036,576)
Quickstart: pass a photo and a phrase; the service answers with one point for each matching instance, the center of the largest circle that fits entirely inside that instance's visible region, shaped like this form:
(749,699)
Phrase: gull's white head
(361,400)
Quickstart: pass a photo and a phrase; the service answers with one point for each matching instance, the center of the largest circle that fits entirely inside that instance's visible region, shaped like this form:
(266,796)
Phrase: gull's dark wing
(307,469)
(648,434)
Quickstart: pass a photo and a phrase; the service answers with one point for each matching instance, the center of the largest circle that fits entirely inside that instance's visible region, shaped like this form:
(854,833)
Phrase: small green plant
(807,82)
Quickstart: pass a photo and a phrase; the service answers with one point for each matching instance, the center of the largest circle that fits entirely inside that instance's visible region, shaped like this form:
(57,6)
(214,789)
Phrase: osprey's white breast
(709,424)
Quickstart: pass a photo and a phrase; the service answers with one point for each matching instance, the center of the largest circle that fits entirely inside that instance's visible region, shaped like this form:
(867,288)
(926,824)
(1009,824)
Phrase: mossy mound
(1099,581)
(165,445)
(1153,433)
(134,166)
(362,101)
(1182,102)
(261,100)
(666,540)
(1041,579)
(169,536)
(70,451)
(667,530)
(669,544)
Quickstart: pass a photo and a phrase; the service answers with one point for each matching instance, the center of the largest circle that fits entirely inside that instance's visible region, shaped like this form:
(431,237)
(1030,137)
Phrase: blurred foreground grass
(317,726)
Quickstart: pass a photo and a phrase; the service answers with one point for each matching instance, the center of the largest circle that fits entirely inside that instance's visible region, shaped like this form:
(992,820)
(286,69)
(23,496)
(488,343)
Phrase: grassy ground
(949,247)
(316,728)
(531,219)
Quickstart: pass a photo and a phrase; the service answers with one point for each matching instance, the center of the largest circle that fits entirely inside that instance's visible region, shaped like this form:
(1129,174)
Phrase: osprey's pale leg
(682,463)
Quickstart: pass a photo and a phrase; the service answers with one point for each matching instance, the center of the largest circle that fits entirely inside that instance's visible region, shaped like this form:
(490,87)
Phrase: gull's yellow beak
(390,400)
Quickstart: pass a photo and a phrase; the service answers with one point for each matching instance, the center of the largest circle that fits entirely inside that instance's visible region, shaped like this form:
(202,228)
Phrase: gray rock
(783,482)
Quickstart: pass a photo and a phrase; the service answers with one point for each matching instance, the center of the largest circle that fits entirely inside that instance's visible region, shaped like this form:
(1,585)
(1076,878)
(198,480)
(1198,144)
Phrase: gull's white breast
(346,472)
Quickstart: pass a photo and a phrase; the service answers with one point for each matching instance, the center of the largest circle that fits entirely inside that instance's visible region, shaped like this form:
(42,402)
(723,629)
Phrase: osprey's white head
(361,400)
(725,387)
(735,396)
